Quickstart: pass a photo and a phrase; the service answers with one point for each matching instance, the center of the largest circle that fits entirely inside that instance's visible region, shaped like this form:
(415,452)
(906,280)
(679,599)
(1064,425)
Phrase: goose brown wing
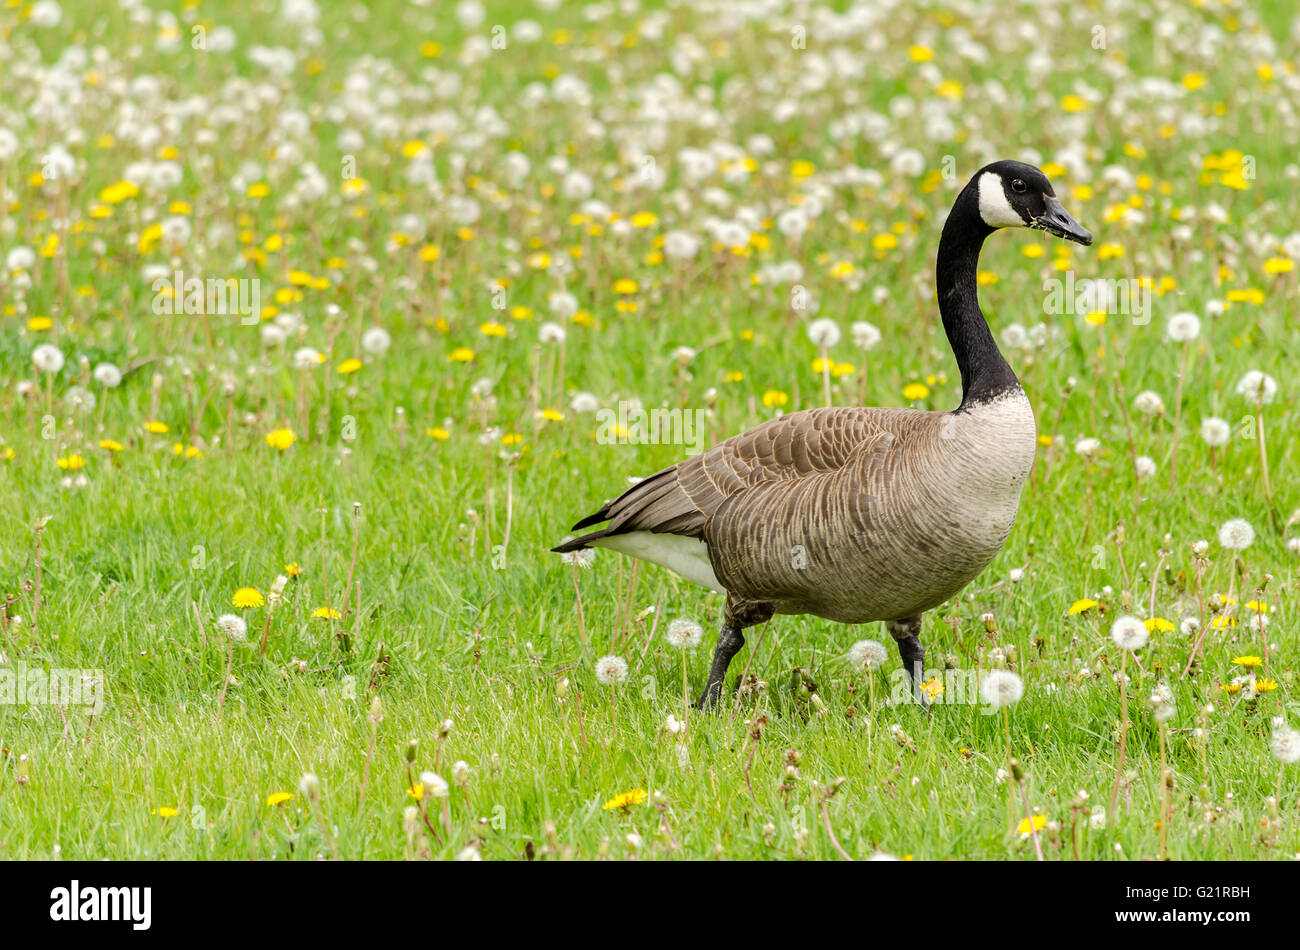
(682,498)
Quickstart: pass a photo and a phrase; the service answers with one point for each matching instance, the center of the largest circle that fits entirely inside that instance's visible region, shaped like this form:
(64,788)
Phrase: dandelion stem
(1123,734)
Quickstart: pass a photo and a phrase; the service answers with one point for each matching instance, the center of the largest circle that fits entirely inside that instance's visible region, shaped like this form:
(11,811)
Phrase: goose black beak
(1056,220)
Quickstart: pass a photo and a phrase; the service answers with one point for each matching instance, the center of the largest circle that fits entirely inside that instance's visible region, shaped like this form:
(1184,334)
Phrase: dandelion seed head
(684,634)
(1236,534)
(233,626)
(824,333)
(1129,633)
(611,670)
(1215,431)
(1257,386)
(868,654)
(1183,327)
(1002,688)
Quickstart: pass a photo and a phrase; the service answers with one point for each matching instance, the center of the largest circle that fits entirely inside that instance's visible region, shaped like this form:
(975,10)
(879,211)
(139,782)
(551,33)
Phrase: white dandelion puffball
(376,341)
(550,332)
(1215,431)
(1129,633)
(47,358)
(684,634)
(1162,703)
(907,161)
(309,785)
(611,670)
(1145,466)
(20,258)
(1285,744)
(583,557)
(306,358)
(1002,688)
(584,402)
(233,626)
(108,375)
(1257,387)
(1236,534)
(434,784)
(1149,403)
(563,304)
(1087,447)
(865,335)
(824,333)
(868,654)
(680,245)
(1183,327)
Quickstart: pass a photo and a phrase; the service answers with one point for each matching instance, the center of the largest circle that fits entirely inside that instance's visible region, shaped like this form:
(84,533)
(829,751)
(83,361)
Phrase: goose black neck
(985,374)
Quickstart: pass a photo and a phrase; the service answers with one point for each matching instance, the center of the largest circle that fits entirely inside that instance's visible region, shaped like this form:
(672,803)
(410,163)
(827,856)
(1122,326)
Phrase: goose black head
(1016,195)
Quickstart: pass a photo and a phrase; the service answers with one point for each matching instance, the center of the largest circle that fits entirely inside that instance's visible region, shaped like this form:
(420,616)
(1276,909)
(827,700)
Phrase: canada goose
(850,513)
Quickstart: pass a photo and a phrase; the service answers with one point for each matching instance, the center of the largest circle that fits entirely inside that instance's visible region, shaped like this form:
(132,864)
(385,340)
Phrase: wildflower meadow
(324,321)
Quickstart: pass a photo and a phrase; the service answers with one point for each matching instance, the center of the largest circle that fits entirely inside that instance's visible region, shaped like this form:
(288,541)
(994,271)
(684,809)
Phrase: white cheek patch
(994,207)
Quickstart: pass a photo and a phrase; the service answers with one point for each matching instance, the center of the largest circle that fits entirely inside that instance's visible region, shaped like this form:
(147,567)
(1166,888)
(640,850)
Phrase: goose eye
(1018,186)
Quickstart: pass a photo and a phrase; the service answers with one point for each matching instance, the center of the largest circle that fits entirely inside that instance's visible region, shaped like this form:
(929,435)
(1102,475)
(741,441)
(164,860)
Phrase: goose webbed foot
(730,640)
(906,635)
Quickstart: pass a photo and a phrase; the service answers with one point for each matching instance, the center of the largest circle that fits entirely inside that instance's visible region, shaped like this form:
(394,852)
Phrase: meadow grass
(146,546)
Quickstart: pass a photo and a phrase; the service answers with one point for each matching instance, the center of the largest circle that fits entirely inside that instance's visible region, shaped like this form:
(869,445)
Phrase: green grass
(454,623)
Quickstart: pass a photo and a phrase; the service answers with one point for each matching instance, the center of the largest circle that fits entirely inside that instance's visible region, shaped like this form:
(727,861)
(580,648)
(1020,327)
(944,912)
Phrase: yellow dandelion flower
(247,597)
(292,569)
(110,445)
(1158,623)
(552,415)
(915,391)
(1251,661)
(1079,606)
(72,462)
(281,439)
(278,798)
(156,427)
(326,613)
(1278,265)
(1039,823)
(39,323)
(462,354)
(774,399)
(166,811)
(1265,685)
(625,800)
(921,54)
(492,329)
(118,192)
(1073,103)
(416,791)
(625,286)
(437,432)
(349,366)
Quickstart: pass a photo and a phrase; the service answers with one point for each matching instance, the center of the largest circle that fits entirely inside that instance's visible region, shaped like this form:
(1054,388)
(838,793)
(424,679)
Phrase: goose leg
(730,640)
(906,635)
